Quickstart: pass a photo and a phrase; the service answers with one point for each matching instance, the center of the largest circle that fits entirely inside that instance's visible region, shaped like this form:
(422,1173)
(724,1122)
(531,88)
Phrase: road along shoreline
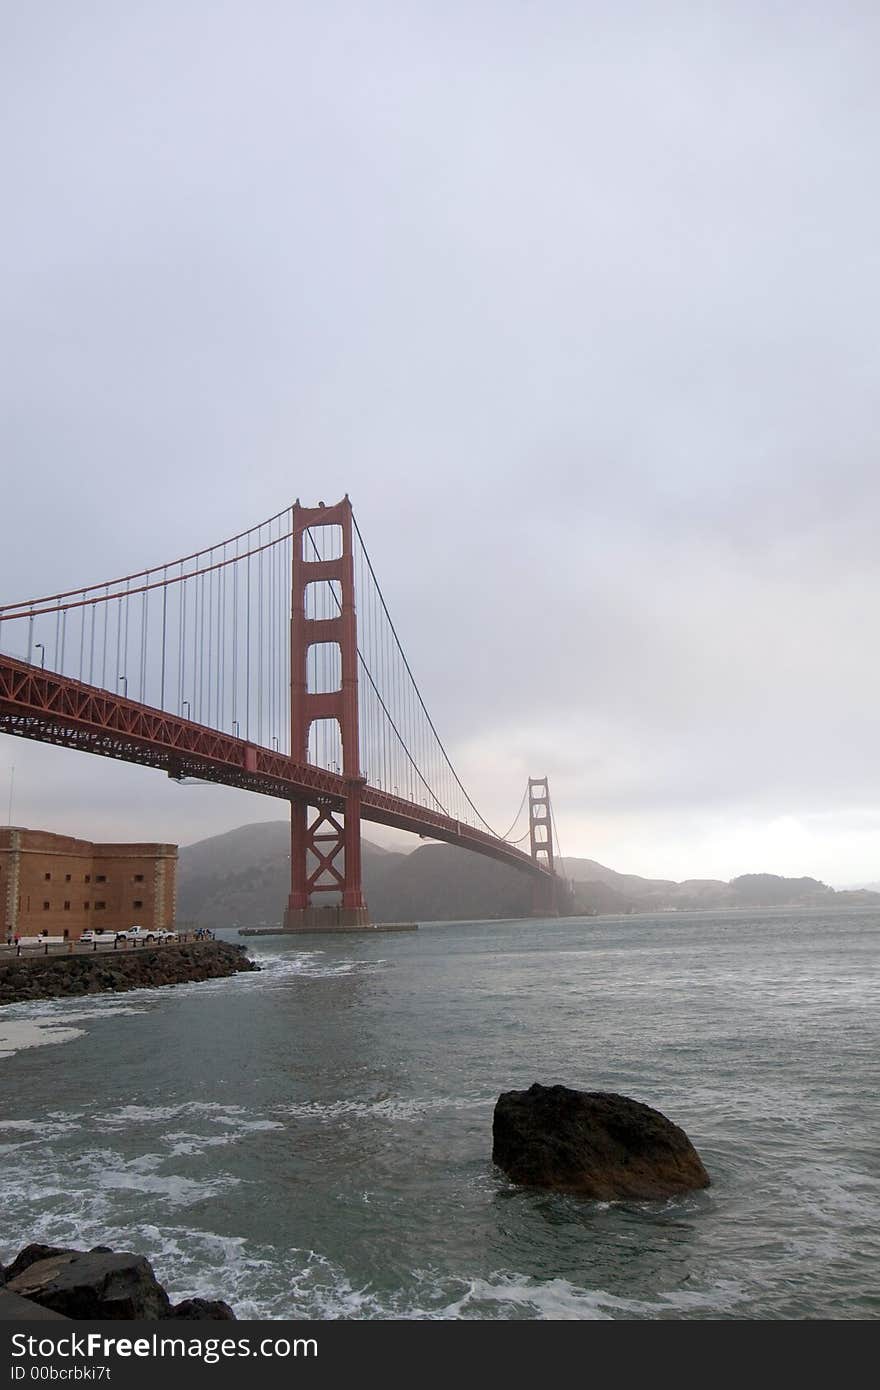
(62,976)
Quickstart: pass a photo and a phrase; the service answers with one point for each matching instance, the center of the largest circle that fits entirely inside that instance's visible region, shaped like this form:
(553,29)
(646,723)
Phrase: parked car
(136,933)
(97,934)
(139,933)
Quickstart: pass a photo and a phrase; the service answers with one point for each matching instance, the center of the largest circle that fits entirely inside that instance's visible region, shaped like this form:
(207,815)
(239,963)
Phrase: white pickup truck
(146,934)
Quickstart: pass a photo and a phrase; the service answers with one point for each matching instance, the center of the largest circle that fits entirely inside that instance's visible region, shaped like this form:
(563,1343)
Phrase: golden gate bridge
(269,662)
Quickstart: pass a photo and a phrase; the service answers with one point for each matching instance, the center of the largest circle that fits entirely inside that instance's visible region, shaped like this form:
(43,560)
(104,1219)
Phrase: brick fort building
(56,884)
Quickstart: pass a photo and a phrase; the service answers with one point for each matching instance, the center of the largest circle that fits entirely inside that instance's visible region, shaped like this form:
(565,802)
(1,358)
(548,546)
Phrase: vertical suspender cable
(164,633)
(235,640)
(259,691)
(106,607)
(92,645)
(82,638)
(209,660)
(181,638)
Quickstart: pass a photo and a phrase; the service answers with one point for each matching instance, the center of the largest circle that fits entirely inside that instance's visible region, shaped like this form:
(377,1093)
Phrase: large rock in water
(594,1143)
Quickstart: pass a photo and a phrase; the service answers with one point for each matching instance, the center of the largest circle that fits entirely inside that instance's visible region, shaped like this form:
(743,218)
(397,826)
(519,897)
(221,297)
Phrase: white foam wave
(267,1282)
(125,1115)
(104,1169)
(388,1108)
(276,967)
(23,1136)
(43,1023)
(233,1122)
(186,1144)
(274,1284)
(515,1295)
(18,1036)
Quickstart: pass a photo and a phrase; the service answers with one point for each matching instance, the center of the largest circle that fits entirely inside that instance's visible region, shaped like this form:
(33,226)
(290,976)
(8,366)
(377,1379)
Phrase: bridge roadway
(41,705)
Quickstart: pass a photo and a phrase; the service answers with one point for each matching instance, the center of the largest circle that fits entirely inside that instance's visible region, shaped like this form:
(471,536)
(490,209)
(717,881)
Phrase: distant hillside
(242,878)
(711,894)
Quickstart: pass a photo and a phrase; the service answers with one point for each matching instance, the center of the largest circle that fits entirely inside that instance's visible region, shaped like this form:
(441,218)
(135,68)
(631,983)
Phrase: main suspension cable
(388,714)
(440,743)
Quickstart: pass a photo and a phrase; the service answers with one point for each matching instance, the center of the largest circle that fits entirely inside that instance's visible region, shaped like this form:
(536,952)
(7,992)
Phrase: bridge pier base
(544,899)
(317,919)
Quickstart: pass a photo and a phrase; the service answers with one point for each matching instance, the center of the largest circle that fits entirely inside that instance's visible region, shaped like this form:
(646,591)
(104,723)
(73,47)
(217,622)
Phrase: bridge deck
(51,708)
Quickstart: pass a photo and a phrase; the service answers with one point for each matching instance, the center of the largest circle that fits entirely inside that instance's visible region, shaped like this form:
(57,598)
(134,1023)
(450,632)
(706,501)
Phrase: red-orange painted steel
(38,704)
(328,841)
(541,845)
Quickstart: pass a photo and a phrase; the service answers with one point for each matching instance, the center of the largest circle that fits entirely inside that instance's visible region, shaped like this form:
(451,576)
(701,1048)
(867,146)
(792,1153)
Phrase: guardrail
(30,947)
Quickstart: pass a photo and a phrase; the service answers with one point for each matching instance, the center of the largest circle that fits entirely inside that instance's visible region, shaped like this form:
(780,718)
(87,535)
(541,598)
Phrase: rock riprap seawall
(594,1143)
(53,977)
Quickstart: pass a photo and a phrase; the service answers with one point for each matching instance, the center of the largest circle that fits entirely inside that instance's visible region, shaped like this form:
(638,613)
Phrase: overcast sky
(578,301)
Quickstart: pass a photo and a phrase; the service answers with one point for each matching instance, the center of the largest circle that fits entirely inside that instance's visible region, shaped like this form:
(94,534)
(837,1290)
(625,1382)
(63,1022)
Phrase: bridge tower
(544,902)
(325,844)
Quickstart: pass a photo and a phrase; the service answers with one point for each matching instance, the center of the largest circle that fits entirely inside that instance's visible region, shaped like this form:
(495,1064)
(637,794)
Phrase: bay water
(314,1141)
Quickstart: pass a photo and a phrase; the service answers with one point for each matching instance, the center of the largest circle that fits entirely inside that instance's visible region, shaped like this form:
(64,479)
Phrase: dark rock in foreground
(594,1143)
(202,1310)
(82,1284)
(29,1256)
(93,1284)
(54,977)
